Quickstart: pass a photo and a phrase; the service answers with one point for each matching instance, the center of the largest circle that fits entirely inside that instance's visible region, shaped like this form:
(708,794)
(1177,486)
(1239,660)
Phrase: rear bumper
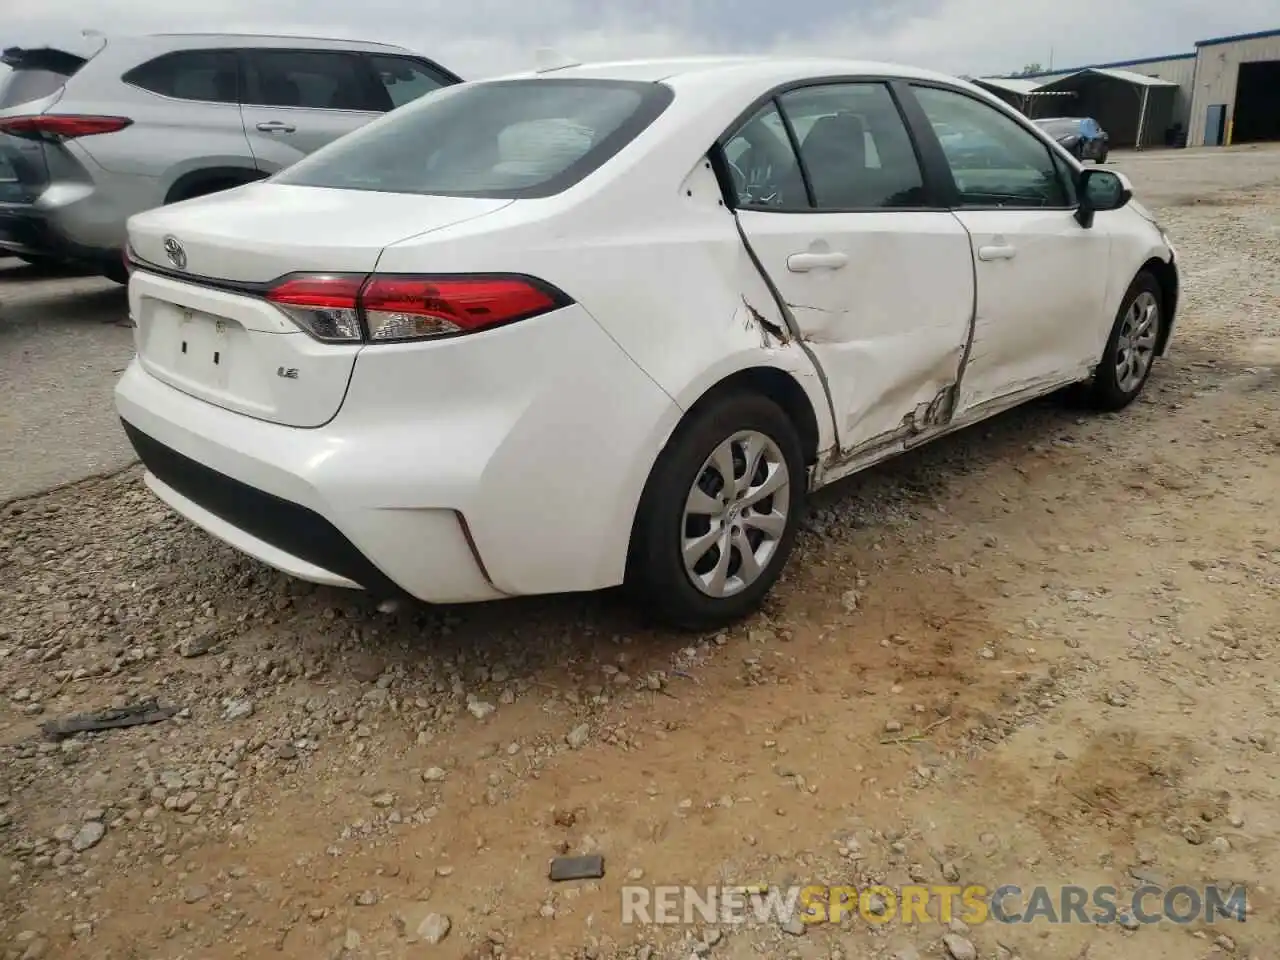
(282,534)
(26,229)
(505,465)
(251,484)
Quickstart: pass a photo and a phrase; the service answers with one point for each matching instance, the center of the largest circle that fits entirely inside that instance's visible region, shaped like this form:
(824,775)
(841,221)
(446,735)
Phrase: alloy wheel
(735,514)
(1136,346)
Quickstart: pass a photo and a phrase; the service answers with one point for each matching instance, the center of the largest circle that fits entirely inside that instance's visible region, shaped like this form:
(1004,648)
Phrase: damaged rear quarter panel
(704,312)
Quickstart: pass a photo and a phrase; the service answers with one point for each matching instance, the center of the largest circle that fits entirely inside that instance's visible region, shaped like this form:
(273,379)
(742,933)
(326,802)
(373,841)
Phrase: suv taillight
(395,308)
(61,126)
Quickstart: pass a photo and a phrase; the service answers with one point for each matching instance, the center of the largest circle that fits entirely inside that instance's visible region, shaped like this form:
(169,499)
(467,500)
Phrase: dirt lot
(1038,652)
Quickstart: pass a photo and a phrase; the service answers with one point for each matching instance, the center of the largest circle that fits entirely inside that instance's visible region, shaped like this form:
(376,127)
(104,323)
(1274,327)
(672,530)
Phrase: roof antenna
(545,60)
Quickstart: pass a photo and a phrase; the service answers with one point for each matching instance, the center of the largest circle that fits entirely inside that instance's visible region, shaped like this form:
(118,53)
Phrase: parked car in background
(610,324)
(1080,136)
(97,130)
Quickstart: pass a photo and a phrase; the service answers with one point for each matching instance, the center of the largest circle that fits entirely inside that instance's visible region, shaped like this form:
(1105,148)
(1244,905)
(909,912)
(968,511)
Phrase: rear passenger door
(878,276)
(296,101)
(186,119)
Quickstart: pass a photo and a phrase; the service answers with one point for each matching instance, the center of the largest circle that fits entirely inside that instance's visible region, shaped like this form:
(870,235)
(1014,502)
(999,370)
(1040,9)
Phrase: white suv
(97,130)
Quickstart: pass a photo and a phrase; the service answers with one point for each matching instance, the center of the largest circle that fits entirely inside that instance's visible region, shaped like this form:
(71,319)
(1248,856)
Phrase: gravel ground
(62,347)
(1039,651)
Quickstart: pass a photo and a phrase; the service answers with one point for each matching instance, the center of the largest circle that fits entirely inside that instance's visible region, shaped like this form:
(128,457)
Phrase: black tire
(656,575)
(43,263)
(1107,391)
(116,273)
(1102,157)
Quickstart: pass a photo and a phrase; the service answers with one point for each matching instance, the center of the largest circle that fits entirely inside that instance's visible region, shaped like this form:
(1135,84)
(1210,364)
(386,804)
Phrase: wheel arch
(780,387)
(772,382)
(1166,275)
(195,183)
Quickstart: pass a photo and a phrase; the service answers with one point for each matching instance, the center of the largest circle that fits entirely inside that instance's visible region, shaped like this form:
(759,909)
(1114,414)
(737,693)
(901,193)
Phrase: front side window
(995,162)
(208,76)
(502,139)
(405,80)
(312,79)
(855,147)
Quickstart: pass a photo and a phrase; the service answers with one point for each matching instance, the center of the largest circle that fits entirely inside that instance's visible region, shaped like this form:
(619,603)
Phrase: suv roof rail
(271,36)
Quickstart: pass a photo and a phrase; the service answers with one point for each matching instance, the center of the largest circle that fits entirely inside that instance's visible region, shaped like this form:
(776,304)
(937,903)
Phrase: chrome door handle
(276,126)
(804,262)
(997,253)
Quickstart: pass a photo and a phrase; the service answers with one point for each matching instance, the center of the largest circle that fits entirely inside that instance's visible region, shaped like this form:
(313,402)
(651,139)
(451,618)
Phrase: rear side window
(205,75)
(313,79)
(765,172)
(405,80)
(508,139)
(855,147)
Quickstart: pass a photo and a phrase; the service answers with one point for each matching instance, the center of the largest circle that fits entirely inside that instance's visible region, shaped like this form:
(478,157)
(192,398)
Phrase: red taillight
(326,307)
(64,126)
(395,308)
(409,308)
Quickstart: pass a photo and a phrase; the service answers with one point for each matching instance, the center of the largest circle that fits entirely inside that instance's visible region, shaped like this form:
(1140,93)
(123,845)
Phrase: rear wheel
(202,188)
(1131,349)
(51,264)
(719,515)
(1102,157)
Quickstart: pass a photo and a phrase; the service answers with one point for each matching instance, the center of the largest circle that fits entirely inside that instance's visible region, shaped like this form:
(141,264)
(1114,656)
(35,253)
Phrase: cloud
(486,37)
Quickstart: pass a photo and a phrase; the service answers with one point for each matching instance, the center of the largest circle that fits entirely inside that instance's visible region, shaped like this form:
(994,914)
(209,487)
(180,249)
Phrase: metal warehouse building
(1227,91)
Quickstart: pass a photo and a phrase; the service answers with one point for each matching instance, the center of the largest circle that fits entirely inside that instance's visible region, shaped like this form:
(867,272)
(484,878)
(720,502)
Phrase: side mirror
(1101,190)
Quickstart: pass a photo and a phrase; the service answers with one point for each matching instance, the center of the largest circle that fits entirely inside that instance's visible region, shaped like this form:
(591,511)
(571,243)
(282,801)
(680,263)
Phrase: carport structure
(1026,96)
(1133,108)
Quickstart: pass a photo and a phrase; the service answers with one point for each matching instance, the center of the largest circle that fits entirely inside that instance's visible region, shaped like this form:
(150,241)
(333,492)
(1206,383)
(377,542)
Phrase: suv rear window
(508,139)
(23,86)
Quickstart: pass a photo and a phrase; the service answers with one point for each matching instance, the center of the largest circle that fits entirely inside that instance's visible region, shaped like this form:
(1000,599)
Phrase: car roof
(749,70)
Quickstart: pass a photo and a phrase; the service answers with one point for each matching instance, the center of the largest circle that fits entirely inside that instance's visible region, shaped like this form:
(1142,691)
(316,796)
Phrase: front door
(296,101)
(1041,276)
(879,283)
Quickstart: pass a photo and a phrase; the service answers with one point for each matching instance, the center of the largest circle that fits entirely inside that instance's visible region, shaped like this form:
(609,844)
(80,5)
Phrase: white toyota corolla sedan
(609,324)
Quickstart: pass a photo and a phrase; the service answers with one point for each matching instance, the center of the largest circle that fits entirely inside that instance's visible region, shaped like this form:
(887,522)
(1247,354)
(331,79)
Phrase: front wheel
(1131,349)
(719,515)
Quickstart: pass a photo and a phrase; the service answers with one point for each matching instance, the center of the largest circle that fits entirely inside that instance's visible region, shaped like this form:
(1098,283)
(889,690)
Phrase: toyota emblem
(175,252)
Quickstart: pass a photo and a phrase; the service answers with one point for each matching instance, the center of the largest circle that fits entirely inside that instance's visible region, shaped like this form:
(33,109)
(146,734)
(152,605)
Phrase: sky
(479,38)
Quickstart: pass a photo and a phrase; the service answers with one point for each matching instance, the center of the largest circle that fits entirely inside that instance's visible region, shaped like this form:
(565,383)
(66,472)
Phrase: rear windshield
(509,139)
(34,73)
(1060,128)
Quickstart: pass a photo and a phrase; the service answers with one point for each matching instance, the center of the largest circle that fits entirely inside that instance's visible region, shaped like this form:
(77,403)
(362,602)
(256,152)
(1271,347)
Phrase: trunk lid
(262,231)
(205,328)
(35,81)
